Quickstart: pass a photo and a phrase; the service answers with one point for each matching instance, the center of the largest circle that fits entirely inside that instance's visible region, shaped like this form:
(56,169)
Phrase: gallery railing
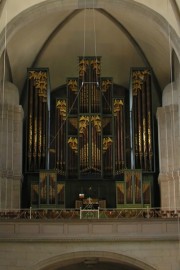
(65,214)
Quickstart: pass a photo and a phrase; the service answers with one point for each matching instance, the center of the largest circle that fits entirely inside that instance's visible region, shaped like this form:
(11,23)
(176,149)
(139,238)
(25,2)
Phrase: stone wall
(141,244)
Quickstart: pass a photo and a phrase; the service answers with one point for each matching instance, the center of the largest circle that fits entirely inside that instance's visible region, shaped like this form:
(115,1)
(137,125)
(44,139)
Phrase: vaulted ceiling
(125,33)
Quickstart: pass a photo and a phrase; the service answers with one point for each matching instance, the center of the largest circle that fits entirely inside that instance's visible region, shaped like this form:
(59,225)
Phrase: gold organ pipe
(149,119)
(144,104)
(30,127)
(140,129)
(40,130)
(35,128)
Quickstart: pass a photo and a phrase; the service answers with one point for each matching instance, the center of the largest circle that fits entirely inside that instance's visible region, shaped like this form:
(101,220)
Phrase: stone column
(169,158)
(11,124)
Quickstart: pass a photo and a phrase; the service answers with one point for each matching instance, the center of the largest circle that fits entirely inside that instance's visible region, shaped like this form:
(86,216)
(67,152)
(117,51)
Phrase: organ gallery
(89,138)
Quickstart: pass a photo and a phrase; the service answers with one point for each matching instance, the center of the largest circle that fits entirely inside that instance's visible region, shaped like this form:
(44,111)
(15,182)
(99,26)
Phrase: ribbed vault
(53,34)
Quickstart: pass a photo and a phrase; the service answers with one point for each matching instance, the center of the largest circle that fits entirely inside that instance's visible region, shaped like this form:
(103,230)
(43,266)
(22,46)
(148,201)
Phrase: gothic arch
(41,9)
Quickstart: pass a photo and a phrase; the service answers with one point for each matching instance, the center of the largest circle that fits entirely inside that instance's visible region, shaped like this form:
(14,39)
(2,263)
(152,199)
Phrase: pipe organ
(90,130)
(86,121)
(142,119)
(37,128)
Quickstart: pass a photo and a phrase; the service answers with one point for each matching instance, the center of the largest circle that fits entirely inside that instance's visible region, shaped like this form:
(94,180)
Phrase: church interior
(89,85)
(89,134)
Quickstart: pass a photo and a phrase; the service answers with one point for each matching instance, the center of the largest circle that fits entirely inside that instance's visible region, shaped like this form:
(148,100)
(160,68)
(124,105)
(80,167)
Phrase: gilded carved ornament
(73,143)
(61,106)
(40,82)
(105,85)
(83,123)
(73,85)
(106,143)
(138,80)
(83,66)
(118,104)
(96,120)
(96,66)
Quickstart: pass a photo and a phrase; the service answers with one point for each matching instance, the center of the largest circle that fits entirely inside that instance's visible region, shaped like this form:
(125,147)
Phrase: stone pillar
(11,124)
(169,158)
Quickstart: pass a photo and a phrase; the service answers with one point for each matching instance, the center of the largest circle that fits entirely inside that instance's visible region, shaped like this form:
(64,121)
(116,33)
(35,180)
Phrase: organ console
(90,202)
